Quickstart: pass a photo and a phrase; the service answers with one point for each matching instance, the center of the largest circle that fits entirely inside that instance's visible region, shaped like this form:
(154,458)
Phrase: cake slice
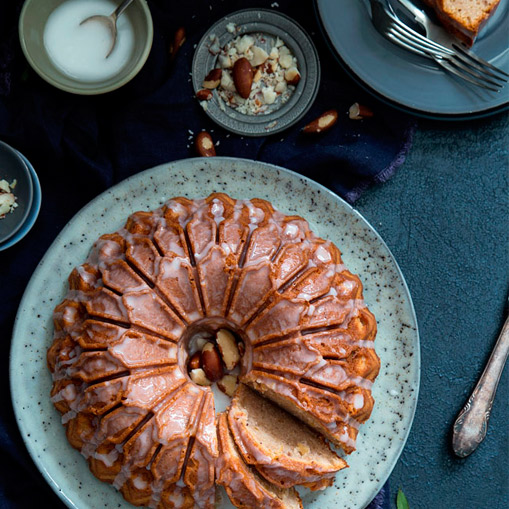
(245,488)
(283,450)
(464,18)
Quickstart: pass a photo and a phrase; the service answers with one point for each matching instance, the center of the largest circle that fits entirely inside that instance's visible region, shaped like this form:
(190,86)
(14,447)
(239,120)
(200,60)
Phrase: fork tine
(458,63)
(479,60)
(447,65)
(446,61)
(474,65)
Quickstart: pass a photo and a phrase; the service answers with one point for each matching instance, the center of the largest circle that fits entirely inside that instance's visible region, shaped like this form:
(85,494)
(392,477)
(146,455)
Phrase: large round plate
(409,81)
(380,441)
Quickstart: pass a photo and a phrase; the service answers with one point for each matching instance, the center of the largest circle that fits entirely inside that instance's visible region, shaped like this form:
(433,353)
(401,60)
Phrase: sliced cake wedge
(245,488)
(284,451)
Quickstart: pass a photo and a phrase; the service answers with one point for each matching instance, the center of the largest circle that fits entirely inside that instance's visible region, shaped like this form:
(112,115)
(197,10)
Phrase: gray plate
(12,167)
(300,44)
(380,440)
(406,80)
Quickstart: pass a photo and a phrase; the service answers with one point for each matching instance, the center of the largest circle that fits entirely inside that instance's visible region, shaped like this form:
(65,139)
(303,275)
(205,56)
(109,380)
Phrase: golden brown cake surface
(126,332)
(464,18)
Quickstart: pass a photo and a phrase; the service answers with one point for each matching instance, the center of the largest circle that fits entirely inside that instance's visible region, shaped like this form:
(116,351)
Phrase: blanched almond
(228,348)
(199,377)
(243,77)
(213,79)
(228,384)
(323,123)
(204,145)
(211,362)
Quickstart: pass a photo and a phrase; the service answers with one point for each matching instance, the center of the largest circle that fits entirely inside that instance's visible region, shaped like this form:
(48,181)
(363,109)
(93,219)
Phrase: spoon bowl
(110,22)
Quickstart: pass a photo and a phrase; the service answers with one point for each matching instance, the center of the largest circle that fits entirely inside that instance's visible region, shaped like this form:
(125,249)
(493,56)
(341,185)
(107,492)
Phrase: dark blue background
(444,215)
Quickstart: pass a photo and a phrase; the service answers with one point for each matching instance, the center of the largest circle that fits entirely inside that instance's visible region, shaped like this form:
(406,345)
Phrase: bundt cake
(464,18)
(222,291)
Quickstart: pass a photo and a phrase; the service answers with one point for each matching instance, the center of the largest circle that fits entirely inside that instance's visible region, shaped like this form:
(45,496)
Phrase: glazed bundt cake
(464,18)
(222,291)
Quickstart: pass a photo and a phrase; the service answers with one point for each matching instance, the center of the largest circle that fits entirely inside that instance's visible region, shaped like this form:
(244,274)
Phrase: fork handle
(472,423)
(420,17)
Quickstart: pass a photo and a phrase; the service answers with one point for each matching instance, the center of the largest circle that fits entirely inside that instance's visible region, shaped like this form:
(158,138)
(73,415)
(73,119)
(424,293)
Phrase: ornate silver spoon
(472,422)
(110,22)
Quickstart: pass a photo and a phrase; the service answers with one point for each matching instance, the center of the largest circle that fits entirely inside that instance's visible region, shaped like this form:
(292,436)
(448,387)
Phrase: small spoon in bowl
(110,22)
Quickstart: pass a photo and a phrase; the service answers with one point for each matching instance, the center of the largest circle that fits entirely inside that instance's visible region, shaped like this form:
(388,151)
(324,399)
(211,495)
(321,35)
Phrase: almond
(243,77)
(204,94)
(228,384)
(179,38)
(358,112)
(204,145)
(199,377)
(292,76)
(228,348)
(213,79)
(323,123)
(194,361)
(211,362)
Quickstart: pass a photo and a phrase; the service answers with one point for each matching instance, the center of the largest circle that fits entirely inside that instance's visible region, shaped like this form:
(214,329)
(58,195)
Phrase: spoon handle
(472,422)
(122,7)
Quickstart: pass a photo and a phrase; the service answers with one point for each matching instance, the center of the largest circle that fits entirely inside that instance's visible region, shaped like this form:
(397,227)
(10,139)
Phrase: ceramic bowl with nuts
(255,72)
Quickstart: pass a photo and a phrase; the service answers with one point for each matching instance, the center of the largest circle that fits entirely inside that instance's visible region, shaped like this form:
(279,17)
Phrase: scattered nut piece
(243,77)
(179,39)
(259,56)
(212,79)
(242,348)
(323,123)
(292,76)
(204,94)
(204,145)
(199,377)
(359,111)
(228,384)
(228,348)
(194,361)
(211,362)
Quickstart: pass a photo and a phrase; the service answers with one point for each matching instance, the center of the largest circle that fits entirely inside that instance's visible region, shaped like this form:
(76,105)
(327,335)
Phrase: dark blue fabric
(80,146)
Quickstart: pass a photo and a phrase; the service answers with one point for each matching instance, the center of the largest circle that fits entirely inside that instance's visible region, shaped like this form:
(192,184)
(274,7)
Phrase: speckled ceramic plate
(273,25)
(380,441)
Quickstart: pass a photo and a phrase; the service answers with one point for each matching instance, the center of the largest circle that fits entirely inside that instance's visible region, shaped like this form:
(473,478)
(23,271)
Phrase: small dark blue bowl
(13,167)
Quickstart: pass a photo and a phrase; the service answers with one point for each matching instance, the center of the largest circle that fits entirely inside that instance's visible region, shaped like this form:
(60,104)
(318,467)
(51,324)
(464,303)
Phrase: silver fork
(438,34)
(390,26)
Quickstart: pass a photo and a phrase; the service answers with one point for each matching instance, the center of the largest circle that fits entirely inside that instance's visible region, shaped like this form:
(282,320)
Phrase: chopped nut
(204,145)
(358,112)
(194,361)
(245,43)
(292,76)
(228,384)
(259,56)
(213,79)
(204,94)
(179,39)
(199,377)
(323,123)
(228,348)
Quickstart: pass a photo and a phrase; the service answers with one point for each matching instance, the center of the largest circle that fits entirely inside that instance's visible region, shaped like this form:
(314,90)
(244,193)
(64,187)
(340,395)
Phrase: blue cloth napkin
(80,146)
